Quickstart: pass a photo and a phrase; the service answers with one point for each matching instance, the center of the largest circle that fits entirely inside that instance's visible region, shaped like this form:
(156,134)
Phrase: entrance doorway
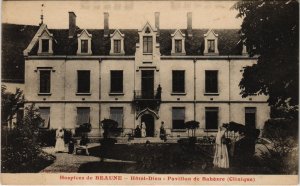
(147,84)
(148,119)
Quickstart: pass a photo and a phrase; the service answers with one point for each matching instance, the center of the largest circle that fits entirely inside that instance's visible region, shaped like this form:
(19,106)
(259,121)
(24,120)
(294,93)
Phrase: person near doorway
(60,144)
(137,132)
(143,129)
(221,159)
(162,132)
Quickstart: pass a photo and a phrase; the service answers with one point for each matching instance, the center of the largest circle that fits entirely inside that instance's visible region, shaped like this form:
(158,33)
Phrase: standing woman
(143,126)
(60,144)
(221,158)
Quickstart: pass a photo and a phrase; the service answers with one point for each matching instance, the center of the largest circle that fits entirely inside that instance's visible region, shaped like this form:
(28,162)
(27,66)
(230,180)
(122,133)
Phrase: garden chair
(81,147)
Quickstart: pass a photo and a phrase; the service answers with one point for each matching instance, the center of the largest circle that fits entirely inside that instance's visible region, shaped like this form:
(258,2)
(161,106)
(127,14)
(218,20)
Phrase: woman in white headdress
(143,126)
(60,144)
(221,158)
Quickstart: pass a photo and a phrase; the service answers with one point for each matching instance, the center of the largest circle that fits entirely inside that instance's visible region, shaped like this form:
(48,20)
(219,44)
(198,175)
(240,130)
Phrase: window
(211,117)
(83,115)
(45,45)
(178,46)
(178,117)
(147,44)
(116,113)
(84,46)
(117,46)
(211,46)
(211,81)
(45,115)
(250,116)
(83,83)
(178,81)
(116,81)
(45,81)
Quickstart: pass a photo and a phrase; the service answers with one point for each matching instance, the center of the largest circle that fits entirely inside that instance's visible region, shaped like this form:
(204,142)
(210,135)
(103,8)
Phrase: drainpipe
(100,60)
(65,91)
(195,88)
(229,95)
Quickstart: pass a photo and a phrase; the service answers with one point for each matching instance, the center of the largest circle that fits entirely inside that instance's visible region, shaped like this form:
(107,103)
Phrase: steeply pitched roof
(15,38)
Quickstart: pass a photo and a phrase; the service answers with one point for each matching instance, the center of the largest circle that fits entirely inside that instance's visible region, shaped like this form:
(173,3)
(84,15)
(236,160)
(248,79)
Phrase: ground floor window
(116,113)
(211,117)
(83,115)
(250,116)
(45,115)
(178,117)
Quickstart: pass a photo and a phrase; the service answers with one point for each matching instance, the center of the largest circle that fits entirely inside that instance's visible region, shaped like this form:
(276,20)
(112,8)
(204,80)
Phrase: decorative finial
(42,14)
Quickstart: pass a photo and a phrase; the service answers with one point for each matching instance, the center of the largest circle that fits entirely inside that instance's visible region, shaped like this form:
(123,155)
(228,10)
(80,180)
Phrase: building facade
(148,75)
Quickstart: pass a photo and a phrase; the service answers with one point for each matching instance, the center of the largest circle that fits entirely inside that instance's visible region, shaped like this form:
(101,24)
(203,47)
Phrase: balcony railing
(146,95)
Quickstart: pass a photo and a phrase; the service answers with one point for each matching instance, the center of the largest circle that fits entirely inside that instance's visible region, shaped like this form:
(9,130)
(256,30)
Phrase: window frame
(77,115)
(48,84)
(80,87)
(211,109)
(122,116)
(251,110)
(117,46)
(211,45)
(43,45)
(176,121)
(114,82)
(148,44)
(176,87)
(49,118)
(84,42)
(209,88)
(177,41)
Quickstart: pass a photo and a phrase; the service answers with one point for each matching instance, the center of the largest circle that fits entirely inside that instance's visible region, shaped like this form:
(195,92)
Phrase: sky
(122,14)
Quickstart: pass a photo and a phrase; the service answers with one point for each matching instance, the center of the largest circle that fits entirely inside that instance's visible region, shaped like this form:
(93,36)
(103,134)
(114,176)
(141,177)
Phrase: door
(147,84)
(148,119)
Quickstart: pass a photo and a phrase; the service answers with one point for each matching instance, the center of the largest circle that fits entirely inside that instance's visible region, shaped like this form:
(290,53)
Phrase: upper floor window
(116,81)
(45,115)
(83,115)
(211,45)
(178,46)
(116,113)
(117,46)
(211,81)
(147,44)
(45,81)
(178,81)
(45,45)
(178,117)
(211,117)
(250,117)
(83,81)
(84,46)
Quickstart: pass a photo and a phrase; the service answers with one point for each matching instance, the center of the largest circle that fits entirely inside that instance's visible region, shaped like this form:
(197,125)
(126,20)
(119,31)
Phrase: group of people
(239,150)
(140,131)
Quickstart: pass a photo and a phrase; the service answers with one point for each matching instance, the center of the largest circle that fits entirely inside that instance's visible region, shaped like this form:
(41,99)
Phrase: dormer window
(84,43)
(178,40)
(45,42)
(147,44)
(45,45)
(211,43)
(117,43)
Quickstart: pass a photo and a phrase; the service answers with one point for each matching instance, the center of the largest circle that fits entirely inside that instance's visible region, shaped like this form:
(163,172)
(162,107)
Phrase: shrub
(47,137)
(83,129)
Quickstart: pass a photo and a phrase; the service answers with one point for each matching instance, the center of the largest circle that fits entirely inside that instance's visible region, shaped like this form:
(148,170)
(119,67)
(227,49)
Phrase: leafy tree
(10,104)
(270,29)
(192,125)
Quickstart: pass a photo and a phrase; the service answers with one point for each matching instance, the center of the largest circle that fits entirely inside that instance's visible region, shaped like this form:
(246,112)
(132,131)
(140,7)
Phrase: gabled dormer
(178,40)
(211,43)
(117,43)
(148,39)
(45,40)
(84,43)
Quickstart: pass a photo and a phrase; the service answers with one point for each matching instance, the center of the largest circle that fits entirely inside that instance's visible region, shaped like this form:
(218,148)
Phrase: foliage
(192,125)
(46,137)
(10,103)
(109,126)
(270,29)
(83,128)
(22,148)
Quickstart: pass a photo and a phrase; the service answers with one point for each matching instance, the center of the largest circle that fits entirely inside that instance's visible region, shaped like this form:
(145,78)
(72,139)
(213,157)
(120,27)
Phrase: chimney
(72,24)
(189,24)
(157,22)
(106,26)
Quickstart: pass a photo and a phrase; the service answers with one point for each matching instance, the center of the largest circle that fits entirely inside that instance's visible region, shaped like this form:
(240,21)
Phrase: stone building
(80,75)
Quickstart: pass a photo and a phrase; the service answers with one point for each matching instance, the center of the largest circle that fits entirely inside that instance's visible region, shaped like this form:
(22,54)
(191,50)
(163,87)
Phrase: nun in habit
(221,158)
(60,144)
(143,127)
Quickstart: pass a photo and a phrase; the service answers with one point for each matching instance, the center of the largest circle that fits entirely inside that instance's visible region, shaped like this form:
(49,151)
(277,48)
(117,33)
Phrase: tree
(270,29)
(192,125)
(10,104)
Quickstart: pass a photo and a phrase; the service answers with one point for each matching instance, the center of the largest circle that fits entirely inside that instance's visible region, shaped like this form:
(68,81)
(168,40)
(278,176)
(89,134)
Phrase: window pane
(147,44)
(117,46)
(45,115)
(116,113)
(83,83)
(178,82)
(45,45)
(116,82)
(178,118)
(211,81)
(211,117)
(84,46)
(211,45)
(250,116)
(45,81)
(178,46)
(83,115)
